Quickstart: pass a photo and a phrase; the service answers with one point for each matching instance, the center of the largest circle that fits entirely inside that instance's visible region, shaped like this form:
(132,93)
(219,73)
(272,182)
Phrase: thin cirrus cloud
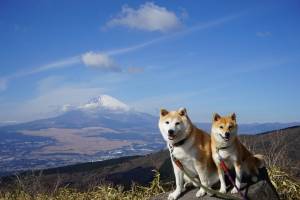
(148,17)
(66,62)
(104,59)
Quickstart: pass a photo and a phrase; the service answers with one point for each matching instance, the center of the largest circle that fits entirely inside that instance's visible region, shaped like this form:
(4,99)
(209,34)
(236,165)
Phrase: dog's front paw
(174,195)
(234,191)
(222,190)
(201,192)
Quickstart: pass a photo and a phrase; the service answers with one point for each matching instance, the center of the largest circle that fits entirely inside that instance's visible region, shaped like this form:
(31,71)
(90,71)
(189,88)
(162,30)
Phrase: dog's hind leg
(203,176)
(188,182)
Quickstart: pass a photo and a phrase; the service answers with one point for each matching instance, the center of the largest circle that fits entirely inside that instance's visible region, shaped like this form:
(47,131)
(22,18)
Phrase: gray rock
(261,190)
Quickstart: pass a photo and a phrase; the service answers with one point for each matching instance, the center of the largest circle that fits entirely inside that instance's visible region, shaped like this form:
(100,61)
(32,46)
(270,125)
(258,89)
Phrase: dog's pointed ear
(233,116)
(163,112)
(216,117)
(182,112)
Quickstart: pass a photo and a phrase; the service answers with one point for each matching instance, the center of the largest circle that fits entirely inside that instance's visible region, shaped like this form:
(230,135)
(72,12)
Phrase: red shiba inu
(226,146)
(191,146)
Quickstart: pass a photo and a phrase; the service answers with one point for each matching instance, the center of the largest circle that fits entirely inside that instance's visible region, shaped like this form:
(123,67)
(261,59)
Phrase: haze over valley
(100,129)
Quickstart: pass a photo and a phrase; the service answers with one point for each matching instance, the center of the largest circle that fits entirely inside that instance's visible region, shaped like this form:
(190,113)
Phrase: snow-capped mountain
(104,111)
(101,102)
(102,128)
(105,102)
(109,112)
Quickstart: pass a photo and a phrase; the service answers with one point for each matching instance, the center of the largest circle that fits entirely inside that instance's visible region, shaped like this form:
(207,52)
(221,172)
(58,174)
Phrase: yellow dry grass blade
(102,192)
(287,187)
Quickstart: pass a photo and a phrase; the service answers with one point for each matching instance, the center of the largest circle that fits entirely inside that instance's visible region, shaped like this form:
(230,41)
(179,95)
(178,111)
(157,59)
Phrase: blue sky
(208,56)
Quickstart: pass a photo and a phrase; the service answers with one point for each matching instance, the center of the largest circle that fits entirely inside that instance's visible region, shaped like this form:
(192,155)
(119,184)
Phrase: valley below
(280,149)
(53,147)
(104,128)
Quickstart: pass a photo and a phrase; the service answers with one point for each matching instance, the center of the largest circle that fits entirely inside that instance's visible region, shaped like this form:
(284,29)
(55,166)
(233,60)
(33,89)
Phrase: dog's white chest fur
(228,155)
(186,157)
(225,154)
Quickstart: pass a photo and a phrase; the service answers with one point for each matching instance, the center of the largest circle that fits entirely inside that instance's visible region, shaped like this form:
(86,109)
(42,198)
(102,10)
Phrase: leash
(226,171)
(208,190)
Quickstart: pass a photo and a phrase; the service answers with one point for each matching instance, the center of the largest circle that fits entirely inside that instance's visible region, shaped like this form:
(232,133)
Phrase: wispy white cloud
(67,62)
(148,17)
(198,27)
(100,61)
(104,58)
(63,63)
(212,23)
(49,101)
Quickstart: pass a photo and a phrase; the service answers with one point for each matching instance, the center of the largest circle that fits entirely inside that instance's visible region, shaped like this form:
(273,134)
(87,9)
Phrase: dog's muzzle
(171,134)
(226,137)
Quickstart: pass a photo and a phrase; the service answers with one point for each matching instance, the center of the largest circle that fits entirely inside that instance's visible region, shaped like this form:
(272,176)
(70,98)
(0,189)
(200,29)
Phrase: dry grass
(102,192)
(275,154)
(278,165)
(287,187)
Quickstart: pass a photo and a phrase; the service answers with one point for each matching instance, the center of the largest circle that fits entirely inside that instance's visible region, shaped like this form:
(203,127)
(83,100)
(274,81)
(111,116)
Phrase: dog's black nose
(171,132)
(227,134)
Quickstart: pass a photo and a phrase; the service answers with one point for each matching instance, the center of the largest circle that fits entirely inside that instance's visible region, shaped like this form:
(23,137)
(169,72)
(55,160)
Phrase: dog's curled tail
(259,160)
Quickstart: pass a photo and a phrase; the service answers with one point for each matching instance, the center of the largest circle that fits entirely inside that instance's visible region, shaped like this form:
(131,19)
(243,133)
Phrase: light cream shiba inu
(191,146)
(226,146)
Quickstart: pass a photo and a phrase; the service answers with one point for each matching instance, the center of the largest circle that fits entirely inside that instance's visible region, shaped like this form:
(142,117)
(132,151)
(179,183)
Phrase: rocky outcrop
(261,190)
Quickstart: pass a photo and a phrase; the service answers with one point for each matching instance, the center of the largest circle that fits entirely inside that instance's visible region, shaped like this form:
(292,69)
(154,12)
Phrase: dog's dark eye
(177,123)
(221,127)
(230,127)
(167,122)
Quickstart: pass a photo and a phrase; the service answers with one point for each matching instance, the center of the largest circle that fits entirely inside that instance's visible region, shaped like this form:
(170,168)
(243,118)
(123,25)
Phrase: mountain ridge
(118,170)
(103,131)
(104,108)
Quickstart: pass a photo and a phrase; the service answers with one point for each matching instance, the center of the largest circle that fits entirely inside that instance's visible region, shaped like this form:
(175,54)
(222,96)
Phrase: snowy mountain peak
(106,102)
